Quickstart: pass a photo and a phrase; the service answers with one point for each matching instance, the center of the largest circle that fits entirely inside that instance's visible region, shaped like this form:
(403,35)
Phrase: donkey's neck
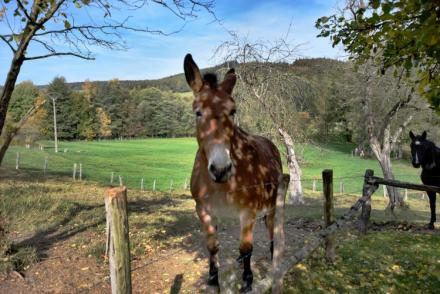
(434,162)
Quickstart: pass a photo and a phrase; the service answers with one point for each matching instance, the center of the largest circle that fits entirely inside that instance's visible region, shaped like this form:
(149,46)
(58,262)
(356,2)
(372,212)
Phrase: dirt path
(178,268)
(182,269)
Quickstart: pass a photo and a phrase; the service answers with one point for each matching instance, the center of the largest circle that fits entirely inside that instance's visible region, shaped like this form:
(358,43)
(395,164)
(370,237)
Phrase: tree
(67,118)
(382,107)
(104,122)
(48,23)
(395,34)
(262,70)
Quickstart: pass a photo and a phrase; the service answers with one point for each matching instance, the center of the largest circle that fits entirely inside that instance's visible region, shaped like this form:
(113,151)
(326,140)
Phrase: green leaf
(67,24)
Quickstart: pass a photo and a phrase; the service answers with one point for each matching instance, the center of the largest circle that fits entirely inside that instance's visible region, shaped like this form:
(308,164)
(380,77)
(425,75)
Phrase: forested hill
(311,68)
(174,83)
(156,108)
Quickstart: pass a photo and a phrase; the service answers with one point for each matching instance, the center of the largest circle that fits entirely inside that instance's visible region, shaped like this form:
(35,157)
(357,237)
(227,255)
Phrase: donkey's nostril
(228,168)
(212,168)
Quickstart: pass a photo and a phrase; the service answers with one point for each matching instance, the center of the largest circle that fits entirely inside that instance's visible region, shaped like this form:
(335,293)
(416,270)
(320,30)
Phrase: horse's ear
(192,74)
(411,135)
(229,81)
(424,135)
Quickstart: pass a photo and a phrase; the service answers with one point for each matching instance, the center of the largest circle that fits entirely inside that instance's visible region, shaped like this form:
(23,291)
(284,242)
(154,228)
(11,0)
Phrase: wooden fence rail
(376,180)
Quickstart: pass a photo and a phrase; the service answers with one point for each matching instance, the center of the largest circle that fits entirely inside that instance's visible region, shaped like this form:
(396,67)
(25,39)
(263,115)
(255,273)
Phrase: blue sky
(153,56)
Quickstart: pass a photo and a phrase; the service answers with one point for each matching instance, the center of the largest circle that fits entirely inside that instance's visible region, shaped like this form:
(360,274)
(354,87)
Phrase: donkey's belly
(225,203)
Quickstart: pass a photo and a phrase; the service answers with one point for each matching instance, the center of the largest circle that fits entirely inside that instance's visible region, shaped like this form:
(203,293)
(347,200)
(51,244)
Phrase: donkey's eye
(232,113)
(198,114)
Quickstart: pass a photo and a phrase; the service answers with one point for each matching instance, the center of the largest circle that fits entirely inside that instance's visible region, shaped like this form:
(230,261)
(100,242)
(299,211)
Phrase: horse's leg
(247,221)
(269,220)
(432,198)
(212,242)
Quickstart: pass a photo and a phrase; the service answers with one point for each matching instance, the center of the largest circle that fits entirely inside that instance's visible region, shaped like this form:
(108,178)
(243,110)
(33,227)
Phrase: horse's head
(422,151)
(214,109)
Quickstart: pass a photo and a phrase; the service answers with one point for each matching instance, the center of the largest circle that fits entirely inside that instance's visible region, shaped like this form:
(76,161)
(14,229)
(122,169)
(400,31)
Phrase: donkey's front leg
(247,221)
(432,199)
(204,213)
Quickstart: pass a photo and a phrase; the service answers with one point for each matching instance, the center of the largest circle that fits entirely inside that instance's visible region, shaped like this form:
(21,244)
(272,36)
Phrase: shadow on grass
(32,175)
(61,230)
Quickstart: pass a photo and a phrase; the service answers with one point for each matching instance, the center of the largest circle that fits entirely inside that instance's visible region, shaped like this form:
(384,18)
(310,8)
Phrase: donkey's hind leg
(212,241)
(247,221)
(269,220)
(432,199)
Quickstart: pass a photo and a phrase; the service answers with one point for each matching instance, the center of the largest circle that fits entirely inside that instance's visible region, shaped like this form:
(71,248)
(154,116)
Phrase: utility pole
(55,124)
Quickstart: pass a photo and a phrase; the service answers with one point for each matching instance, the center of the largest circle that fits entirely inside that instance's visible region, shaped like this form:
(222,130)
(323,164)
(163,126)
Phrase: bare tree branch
(60,54)
(399,130)
(8,43)
(23,9)
(50,13)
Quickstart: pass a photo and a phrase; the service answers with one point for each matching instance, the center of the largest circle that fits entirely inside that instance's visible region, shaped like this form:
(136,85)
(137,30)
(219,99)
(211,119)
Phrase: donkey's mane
(211,79)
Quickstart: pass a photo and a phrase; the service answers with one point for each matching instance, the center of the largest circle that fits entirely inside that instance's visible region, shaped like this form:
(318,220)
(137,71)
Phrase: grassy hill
(166,160)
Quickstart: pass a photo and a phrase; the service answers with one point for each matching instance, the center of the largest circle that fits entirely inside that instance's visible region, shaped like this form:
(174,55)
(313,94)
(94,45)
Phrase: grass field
(166,160)
(51,223)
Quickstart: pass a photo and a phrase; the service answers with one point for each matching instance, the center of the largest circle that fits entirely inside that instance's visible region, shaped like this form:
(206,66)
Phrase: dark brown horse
(231,167)
(425,154)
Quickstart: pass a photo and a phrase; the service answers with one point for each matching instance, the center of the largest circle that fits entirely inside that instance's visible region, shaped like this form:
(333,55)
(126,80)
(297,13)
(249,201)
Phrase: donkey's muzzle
(220,175)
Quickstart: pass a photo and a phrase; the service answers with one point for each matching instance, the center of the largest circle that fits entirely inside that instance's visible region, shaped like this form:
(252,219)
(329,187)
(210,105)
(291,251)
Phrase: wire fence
(40,164)
(80,171)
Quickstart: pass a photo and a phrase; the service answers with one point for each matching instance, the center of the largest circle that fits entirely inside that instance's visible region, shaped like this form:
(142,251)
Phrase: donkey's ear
(424,135)
(192,74)
(411,135)
(229,81)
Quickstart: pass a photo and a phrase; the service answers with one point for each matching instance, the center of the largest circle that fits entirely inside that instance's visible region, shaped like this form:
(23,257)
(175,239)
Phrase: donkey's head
(214,109)
(422,151)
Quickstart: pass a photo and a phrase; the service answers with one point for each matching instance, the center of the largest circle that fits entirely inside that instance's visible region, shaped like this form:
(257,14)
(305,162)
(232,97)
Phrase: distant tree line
(321,104)
(102,111)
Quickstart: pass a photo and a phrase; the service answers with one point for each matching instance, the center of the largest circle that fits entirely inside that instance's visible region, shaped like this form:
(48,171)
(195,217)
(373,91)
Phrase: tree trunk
(14,131)
(14,70)
(5,146)
(383,155)
(393,192)
(294,191)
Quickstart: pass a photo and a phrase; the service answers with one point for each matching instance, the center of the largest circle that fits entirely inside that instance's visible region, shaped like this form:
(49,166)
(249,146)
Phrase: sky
(154,56)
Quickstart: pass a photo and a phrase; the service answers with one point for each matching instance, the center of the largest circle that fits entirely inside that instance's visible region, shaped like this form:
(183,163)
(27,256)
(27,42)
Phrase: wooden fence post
(185,186)
(314,185)
(406,195)
(367,190)
(118,240)
(154,185)
(120,181)
(74,172)
(80,172)
(341,187)
(112,178)
(384,191)
(45,165)
(327,179)
(142,185)
(17,161)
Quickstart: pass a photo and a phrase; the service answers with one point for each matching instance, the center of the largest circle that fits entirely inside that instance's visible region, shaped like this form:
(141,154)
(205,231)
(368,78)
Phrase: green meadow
(169,162)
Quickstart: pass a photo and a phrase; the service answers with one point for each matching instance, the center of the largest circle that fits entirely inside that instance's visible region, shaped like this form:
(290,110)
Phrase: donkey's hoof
(247,287)
(430,226)
(240,259)
(213,280)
